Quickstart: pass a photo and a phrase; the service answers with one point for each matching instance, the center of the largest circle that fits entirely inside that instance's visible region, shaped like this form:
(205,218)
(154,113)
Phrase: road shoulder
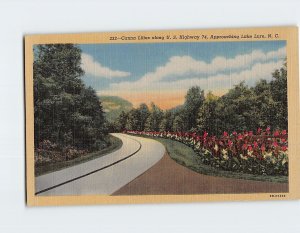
(168,177)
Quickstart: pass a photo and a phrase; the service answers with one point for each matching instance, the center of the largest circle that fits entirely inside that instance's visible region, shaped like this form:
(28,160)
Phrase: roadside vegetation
(186,156)
(69,120)
(50,159)
(243,131)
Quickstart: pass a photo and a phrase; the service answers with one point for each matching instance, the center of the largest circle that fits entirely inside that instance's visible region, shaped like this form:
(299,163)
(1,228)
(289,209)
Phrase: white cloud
(220,74)
(213,82)
(92,67)
(183,65)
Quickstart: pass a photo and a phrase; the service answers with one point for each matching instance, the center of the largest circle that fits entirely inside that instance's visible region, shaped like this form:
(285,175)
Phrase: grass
(186,156)
(116,144)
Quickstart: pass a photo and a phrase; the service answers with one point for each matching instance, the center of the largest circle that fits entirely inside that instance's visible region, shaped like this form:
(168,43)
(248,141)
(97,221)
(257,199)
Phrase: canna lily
(275,144)
(255,144)
(259,130)
(244,147)
(276,133)
(269,147)
(283,132)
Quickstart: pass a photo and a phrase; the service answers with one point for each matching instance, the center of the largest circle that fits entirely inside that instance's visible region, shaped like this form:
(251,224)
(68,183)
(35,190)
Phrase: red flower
(225,134)
(275,144)
(205,134)
(276,133)
(234,133)
(283,132)
(250,148)
(263,148)
(240,137)
(284,148)
(250,133)
(258,130)
(255,144)
(230,143)
(244,147)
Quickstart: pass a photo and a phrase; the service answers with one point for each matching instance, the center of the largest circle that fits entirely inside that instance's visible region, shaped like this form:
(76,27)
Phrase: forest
(68,117)
(242,108)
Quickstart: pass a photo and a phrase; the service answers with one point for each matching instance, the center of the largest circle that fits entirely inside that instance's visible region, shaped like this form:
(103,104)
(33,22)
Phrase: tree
(178,124)
(144,113)
(265,104)
(65,111)
(88,122)
(133,120)
(279,94)
(121,121)
(154,119)
(166,122)
(207,116)
(236,110)
(193,101)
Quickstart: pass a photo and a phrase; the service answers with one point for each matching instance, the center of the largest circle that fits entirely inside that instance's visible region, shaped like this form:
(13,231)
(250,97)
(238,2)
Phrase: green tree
(154,119)
(193,101)
(178,124)
(65,111)
(207,116)
(236,110)
(133,120)
(121,122)
(166,122)
(144,114)
(264,103)
(279,94)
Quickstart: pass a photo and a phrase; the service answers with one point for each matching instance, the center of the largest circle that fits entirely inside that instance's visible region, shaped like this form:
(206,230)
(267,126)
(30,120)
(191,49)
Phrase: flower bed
(259,153)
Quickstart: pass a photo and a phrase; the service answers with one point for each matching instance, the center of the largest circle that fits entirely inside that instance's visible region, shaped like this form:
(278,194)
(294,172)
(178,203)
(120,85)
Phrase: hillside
(114,105)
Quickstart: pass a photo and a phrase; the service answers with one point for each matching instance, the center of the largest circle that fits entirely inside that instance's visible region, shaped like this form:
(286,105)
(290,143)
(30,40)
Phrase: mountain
(114,105)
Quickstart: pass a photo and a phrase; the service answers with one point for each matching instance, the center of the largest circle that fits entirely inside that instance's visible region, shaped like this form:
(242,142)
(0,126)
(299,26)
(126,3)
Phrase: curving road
(106,174)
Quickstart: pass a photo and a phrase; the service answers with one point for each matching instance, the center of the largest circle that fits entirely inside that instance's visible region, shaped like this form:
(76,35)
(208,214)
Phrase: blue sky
(149,72)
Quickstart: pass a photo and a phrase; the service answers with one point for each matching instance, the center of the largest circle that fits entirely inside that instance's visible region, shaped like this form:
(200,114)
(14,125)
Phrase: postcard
(162,116)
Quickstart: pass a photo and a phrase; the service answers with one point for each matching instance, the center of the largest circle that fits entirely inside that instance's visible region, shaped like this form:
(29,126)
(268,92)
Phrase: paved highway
(106,174)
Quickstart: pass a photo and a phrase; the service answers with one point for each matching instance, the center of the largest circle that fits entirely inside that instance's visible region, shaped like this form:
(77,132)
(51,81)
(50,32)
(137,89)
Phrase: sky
(163,72)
